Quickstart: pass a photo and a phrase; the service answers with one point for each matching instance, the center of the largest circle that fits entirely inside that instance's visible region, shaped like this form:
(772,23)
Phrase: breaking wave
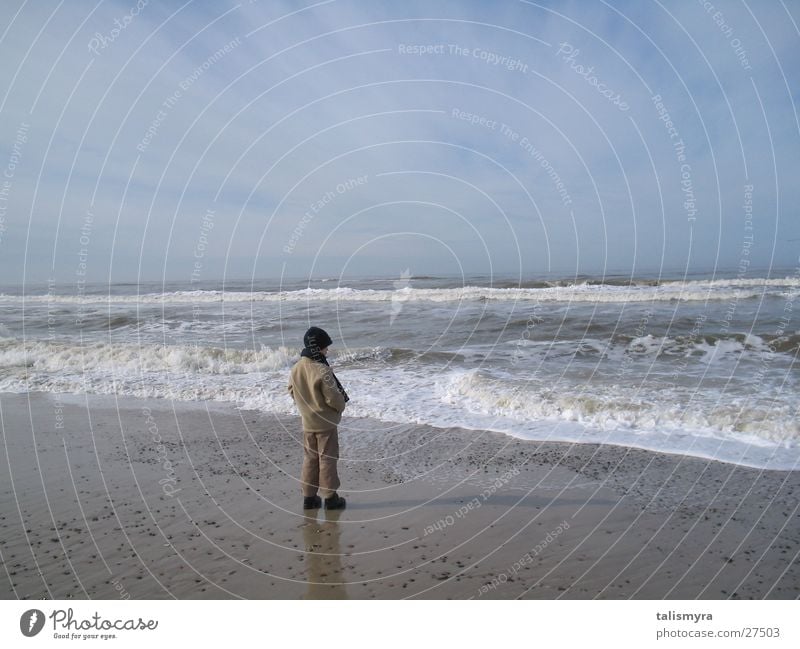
(694,290)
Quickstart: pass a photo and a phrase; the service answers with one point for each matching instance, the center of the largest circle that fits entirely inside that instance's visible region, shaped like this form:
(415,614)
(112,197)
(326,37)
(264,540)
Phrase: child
(321,400)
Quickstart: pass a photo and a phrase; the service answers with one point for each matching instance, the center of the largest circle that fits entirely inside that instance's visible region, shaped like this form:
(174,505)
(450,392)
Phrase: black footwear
(335,502)
(312,502)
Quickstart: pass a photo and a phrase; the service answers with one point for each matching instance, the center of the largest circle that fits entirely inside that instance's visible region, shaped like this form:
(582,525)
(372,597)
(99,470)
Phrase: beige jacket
(313,388)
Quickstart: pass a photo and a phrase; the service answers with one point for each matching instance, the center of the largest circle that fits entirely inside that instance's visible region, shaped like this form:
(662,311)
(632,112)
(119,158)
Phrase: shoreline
(751,455)
(151,498)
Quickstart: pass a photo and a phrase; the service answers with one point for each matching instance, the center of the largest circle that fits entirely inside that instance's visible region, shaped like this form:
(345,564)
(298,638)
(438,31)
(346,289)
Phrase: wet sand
(104,497)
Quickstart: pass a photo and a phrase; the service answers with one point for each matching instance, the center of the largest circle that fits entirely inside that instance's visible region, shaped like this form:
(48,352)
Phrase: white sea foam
(694,290)
(744,346)
(758,430)
(612,407)
(129,359)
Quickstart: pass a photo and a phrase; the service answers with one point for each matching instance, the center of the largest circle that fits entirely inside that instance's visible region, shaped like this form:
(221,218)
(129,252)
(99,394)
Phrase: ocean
(705,366)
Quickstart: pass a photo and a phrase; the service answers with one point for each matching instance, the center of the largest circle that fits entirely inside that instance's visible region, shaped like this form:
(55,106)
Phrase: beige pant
(320,455)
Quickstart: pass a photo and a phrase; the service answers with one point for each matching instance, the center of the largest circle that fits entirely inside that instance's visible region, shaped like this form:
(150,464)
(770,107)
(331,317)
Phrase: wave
(128,358)
(693,290)
(711,344)
(132,359)
(611,408)
(401,386)
(702,348)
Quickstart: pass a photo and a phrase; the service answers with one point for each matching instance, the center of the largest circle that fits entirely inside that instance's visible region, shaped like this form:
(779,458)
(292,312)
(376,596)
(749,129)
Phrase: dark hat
(316,337)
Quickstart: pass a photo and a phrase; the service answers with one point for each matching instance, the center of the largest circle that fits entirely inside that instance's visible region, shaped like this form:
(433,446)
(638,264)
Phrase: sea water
(704,366)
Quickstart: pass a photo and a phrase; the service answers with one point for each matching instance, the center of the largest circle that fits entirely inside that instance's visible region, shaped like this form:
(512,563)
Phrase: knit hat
(316,337)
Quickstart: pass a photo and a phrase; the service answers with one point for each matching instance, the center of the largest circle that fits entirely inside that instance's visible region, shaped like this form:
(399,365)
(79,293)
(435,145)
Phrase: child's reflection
(323,557)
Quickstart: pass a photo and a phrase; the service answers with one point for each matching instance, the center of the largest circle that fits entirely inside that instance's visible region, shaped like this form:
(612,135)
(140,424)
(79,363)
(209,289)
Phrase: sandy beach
(106,497)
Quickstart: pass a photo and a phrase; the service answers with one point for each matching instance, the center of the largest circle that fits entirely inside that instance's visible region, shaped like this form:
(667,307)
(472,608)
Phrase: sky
(196,141)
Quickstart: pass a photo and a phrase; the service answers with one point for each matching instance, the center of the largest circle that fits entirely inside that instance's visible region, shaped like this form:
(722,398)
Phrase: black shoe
(312,502)
(335,502)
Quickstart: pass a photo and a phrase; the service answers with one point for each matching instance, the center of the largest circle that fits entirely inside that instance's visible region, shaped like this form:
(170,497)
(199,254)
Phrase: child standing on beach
(321,400)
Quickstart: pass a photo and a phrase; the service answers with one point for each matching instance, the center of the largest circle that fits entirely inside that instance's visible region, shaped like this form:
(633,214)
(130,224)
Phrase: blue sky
(195,140)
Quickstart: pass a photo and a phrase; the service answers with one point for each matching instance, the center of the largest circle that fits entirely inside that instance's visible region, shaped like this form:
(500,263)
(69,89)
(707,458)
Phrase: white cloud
(281,122)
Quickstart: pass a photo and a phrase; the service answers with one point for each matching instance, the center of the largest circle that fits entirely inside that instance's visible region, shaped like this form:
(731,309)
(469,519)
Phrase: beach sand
(105,497)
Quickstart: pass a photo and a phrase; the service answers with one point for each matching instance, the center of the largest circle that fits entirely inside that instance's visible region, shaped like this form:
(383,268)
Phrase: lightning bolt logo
(31,622)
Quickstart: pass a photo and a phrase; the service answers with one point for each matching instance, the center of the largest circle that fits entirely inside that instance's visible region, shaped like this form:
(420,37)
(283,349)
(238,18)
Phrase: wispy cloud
(489,135)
